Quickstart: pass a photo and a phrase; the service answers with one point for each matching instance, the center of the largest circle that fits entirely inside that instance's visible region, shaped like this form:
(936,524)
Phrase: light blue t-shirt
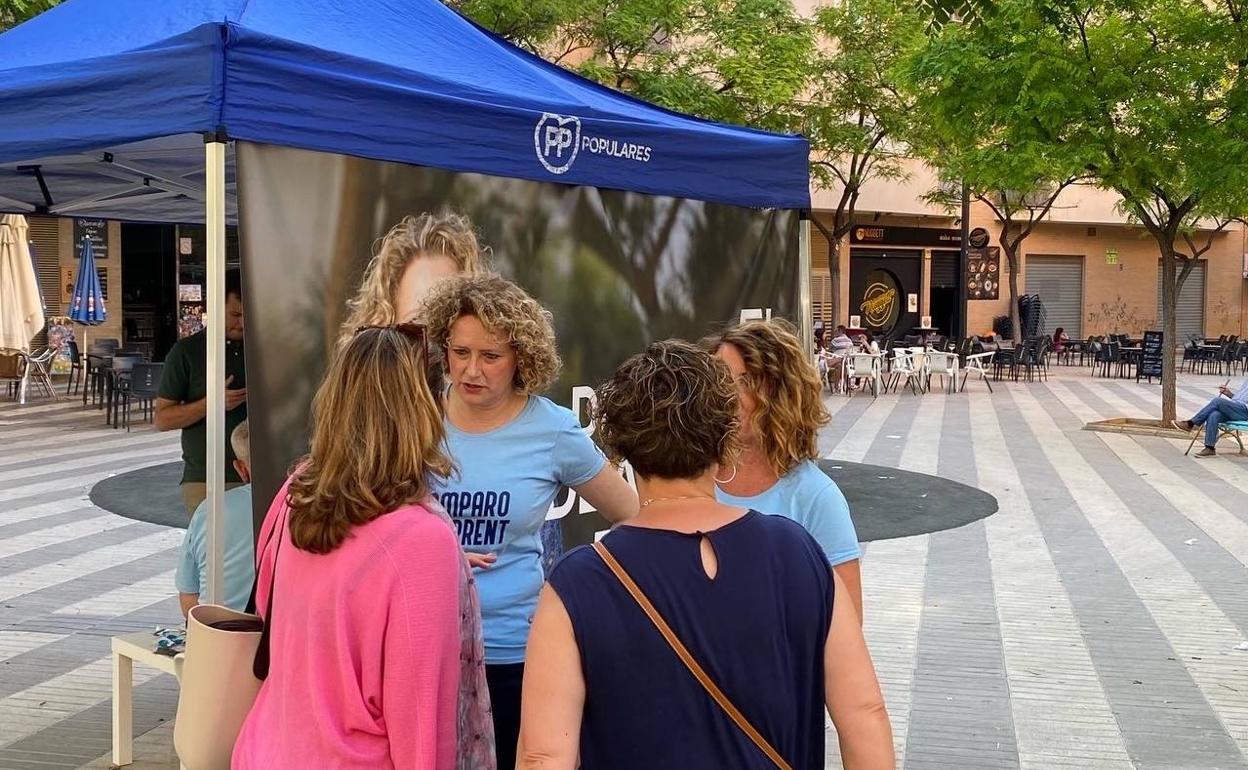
(806,495)
(507,478)
(239,563)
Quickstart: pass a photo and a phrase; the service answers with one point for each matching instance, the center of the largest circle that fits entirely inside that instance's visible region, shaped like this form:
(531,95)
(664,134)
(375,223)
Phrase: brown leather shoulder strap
(685,657)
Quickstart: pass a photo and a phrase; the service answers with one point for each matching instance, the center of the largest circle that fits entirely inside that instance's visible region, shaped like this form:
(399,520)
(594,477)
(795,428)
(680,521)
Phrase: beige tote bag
(218,685)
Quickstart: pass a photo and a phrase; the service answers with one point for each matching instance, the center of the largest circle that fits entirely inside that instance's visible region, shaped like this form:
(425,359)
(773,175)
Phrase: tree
(749,62)
(991,145)
(1152,93)
(14,12)
(858,117)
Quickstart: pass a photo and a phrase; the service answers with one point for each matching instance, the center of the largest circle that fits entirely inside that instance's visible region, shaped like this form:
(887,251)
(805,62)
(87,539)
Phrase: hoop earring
(728,480)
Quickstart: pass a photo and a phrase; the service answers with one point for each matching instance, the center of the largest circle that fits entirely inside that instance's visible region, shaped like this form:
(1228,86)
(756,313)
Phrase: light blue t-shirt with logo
(507,479)
(808,496)
(239,554)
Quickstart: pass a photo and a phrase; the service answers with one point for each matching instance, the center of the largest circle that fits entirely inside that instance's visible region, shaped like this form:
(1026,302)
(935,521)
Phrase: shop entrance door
(884,286)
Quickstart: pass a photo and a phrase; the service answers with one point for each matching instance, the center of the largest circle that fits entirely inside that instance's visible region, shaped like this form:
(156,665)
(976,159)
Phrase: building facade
(1093,270)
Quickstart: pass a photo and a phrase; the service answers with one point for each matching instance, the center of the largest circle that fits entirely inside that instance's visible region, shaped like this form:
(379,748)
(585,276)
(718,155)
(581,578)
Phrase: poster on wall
(97,231)
(617,270)
(983,273)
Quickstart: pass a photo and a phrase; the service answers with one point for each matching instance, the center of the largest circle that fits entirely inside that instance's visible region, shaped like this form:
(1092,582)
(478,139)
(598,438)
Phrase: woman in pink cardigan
(375,633)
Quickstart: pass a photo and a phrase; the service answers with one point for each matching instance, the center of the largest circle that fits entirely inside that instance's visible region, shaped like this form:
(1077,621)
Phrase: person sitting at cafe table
(1227,406)
(182,400)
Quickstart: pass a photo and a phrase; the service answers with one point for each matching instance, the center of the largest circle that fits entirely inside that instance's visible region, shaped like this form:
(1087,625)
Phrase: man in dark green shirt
(182,402)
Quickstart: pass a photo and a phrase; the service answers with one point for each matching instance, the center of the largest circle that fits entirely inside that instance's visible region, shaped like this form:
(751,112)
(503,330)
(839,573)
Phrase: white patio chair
(978,364)
(864,366)
(904,372)
(942,365)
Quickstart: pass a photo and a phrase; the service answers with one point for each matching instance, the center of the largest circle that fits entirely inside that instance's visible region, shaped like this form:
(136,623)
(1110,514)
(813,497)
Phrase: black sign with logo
(978,238)
(97,231)
(880,304)
(905,236)
(1153,349)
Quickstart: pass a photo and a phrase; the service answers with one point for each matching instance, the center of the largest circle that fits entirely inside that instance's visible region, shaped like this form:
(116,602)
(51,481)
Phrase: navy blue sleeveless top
(758,629)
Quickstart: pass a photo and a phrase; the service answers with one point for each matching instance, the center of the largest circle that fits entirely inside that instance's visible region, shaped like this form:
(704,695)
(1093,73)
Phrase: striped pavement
(1091,623)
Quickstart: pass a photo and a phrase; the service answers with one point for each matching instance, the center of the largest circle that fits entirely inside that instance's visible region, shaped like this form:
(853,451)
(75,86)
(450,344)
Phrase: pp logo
(557,139)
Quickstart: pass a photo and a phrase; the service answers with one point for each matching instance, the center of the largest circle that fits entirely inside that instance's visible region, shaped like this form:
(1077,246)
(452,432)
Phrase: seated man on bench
(239,562)
(1228,406)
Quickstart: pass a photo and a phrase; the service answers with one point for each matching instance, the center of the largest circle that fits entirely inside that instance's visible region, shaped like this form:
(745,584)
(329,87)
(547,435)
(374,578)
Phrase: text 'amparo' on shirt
(808,496)
(506,481)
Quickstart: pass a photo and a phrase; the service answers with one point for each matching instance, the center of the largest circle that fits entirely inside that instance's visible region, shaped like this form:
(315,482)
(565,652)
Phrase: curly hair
(506,310)
(670,412)
(786,386)
(377,438)
(443,234)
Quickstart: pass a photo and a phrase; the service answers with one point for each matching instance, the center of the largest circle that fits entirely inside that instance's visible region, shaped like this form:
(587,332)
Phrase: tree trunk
(834,272)
(1016,326)
(1169,370)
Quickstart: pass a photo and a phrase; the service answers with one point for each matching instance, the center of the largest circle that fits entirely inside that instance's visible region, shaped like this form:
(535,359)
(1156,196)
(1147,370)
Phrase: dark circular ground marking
(151,494)
(886,503)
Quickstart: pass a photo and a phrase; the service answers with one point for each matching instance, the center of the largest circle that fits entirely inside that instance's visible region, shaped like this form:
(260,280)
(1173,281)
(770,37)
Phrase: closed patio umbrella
(86,307)
(21,306)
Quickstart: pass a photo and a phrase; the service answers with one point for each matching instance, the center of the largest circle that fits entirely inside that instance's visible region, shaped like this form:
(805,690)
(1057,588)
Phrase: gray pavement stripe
(11,510)
(1165,719)
(92,446)
(890,440)
(76,546)
(85,736)
(843,421)
(36,605)
(960,712)
(45,522)
(120,462)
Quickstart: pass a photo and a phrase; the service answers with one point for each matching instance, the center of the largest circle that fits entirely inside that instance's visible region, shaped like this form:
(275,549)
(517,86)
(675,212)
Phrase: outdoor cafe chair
(141,384)
(977,364)
(39,370)
(942,365)
(904,373)
(77,369)
(115,378)
(864,366)
(12,371)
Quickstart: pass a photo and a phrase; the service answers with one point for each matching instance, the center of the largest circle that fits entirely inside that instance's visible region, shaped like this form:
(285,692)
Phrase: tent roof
(402,80)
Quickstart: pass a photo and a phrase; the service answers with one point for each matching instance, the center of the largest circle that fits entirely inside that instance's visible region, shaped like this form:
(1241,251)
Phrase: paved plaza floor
(1091,623)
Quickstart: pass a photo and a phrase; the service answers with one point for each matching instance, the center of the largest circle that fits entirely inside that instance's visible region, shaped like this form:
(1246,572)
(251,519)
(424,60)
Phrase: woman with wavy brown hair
(781,405)
(748,599)
(410,259)
(375,636)
(515,450)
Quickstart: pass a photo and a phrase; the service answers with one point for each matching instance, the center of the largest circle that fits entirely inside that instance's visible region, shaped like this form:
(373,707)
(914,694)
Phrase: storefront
(895,288)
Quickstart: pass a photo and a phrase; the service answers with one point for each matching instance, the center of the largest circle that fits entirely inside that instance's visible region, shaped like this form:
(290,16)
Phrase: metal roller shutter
(45,236)
(1190,307)
(1059,282)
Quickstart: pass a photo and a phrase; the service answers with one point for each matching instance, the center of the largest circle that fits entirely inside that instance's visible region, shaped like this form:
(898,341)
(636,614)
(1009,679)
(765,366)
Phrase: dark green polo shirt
(185,379)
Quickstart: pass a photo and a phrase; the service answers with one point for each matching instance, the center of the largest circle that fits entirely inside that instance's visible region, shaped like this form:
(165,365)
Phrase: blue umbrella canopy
(87,305)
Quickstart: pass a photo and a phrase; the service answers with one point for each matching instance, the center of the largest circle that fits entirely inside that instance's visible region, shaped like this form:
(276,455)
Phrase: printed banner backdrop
(617,270)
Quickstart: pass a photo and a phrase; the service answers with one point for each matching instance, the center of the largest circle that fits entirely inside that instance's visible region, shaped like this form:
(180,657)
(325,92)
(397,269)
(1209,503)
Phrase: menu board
(983,273)
(1151,355)
(97,231)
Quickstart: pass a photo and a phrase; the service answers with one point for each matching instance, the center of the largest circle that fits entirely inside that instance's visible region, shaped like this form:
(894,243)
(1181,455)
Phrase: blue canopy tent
(125,109)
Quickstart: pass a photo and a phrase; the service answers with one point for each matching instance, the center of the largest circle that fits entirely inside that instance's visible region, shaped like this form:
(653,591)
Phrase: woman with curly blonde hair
(418,252)
(514,449)
(781,406)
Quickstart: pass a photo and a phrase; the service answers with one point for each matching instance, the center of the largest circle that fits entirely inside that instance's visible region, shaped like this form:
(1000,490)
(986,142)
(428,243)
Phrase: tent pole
(803,266)
(214,219)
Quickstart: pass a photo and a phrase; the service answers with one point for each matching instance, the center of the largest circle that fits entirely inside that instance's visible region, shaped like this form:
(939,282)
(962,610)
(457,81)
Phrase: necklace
(650,500)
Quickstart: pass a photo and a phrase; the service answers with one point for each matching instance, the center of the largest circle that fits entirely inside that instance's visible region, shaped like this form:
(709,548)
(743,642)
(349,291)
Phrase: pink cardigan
(365,649)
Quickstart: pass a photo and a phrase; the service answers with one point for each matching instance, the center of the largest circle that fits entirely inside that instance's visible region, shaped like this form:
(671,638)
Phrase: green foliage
(14,12)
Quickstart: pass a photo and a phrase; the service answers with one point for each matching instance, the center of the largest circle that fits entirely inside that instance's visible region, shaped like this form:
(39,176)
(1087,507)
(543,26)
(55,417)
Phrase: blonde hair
(443,234)
(786,385)
(505,309)
(377,437)
(240,442)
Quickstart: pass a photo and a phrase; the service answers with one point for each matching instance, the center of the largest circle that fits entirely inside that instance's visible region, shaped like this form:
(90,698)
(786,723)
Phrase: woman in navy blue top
(751,596)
